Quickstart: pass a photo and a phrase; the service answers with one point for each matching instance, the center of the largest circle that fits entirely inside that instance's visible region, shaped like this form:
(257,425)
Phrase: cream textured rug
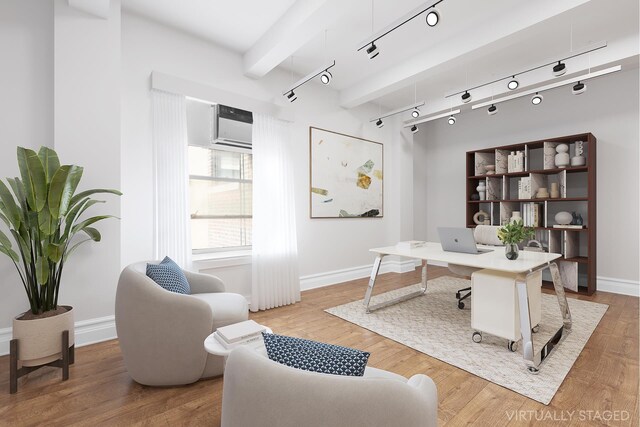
(432,324)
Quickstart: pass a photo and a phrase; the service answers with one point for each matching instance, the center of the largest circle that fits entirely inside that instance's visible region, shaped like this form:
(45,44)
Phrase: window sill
(221,259)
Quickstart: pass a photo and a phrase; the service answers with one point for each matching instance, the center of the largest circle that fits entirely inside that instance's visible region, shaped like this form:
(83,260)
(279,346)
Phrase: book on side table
(239,333)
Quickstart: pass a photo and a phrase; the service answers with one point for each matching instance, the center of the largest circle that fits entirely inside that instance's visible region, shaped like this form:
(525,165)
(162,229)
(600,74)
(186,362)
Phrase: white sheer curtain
(275,279)
(172,233)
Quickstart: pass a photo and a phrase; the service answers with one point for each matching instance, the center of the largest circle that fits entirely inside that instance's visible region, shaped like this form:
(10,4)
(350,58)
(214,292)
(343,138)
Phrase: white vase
(482,190)
(563,218)
(40,340)
(562,158)
(516,216)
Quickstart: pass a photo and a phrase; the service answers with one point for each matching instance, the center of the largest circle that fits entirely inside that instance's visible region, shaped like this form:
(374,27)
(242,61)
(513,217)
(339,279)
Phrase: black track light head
(326,77)
(513,84)
(379,123)
(492,110)
(291,96)
(579,88)
(451,120)
(537,99)
(415,113)
(414,129)
(466,97)
(433,17)
(373,51)
(559,69)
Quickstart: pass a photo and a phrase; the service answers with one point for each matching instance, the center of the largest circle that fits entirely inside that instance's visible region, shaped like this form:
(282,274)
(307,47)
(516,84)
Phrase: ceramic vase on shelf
(555,192)
(562,158)
(579,159)
(511,251)
(542,193)
(563,218)
(515,216)
(482,190)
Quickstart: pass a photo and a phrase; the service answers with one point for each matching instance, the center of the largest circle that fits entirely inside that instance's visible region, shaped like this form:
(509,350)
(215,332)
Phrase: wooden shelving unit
(577,194)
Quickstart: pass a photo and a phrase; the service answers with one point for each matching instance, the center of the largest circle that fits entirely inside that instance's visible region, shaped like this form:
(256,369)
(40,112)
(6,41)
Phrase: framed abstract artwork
(347,176)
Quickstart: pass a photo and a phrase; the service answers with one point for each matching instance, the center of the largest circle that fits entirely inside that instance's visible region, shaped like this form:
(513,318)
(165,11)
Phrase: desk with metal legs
(526,264)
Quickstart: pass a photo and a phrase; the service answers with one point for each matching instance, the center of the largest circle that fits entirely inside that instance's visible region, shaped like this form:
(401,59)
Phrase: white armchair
(259,391)
(161,333)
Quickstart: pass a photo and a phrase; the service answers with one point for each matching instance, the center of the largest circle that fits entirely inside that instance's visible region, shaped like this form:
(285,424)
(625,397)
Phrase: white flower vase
(482,190)
(562,158)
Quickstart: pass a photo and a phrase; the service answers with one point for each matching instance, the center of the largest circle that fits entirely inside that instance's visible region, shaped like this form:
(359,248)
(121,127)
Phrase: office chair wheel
(532,370)
(535,329)
(460,305)
(512,346)
(476,337)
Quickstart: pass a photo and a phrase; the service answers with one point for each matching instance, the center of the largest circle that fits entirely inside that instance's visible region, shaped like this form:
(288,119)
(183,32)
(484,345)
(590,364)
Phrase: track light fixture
(413,108)
(446,114)
(536,99)
(559,69)
(415,113)
(579,88)
(414,129)
(379,123)
(466,97)
(325,77)
(433,17)
(451,120)
(513,84)
(492,110)
(373,51)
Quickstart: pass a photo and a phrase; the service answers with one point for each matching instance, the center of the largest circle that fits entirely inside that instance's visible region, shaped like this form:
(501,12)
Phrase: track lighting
(292,96)
(379,123)
(412,107)
(433,18)
(536,99)
(325,77)
(513,84)
(579,88)
(451,120)
(414,129)
(466,97)
(373,51)
(450,114)
(559,69)
(415,113)
(492,110)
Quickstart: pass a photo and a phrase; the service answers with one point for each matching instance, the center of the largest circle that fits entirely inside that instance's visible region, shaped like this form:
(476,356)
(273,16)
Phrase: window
(220,190)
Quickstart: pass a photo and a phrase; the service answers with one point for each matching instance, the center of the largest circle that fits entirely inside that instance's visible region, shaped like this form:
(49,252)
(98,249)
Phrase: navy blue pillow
(169,275)
(315,356)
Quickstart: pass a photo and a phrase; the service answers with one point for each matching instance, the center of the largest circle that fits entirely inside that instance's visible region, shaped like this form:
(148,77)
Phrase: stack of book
(524,188)
(239,334)
(531,215)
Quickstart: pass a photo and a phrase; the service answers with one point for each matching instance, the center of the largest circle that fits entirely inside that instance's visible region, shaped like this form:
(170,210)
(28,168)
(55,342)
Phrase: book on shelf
(410,244)
(240,331)
(524,188)
(229,346)
(569,226)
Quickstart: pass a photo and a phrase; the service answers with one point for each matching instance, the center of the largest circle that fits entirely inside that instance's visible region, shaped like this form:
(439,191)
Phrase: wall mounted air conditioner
(231,127)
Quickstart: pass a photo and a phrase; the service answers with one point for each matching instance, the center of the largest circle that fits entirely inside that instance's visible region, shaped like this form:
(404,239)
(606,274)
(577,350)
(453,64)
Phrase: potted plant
(44,216)
(511,235)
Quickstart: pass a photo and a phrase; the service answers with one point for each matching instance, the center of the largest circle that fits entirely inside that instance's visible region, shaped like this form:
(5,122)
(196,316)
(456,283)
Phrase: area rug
(432,324)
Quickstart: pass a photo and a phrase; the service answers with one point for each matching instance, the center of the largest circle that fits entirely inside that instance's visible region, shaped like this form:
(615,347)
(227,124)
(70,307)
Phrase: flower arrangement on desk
(511,235)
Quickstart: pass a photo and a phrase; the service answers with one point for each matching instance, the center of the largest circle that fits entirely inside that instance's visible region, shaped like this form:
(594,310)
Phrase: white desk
(527,263)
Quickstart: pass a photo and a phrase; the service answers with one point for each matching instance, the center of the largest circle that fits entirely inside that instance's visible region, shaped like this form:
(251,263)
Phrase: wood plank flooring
(100,392)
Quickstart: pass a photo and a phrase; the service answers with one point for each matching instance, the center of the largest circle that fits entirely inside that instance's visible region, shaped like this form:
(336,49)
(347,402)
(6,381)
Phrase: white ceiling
(476,41)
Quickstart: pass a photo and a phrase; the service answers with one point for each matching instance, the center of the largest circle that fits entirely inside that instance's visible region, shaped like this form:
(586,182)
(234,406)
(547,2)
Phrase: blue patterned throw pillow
(169,275)
(315,356)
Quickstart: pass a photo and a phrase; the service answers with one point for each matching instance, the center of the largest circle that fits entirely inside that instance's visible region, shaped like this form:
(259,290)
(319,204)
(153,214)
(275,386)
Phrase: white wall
(609,110)
(26,109)
(324,245)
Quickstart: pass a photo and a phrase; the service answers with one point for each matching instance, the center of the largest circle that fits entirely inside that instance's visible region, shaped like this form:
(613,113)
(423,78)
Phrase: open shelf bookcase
(577,187)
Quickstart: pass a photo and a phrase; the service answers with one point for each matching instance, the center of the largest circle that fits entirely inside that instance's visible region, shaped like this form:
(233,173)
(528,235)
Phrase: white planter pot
(40,340)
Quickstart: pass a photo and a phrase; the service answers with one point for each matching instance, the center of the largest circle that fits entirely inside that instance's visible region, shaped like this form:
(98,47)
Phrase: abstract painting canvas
(346,175)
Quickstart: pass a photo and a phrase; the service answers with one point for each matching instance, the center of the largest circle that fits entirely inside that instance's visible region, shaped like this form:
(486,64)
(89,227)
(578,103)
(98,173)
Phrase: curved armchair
(161,333)
(259,391)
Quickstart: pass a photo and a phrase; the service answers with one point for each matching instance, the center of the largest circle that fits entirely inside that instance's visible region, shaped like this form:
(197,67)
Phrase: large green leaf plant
(44,216)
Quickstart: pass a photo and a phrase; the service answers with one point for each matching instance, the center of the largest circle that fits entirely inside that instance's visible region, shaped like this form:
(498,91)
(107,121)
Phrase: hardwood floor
(604,379)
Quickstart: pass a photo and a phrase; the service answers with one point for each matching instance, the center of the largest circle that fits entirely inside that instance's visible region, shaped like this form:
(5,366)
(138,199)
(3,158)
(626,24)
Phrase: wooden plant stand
(68,358)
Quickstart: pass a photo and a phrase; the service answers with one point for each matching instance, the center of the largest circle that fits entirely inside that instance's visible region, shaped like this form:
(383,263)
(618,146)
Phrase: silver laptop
(459,239)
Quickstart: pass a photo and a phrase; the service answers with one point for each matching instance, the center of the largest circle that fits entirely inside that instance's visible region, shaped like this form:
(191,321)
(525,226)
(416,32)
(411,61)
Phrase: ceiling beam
(411,70)
(98,8)
(300,23)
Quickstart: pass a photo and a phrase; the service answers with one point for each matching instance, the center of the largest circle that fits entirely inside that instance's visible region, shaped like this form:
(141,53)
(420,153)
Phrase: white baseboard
(618,286)
(319,280)
(86,332)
